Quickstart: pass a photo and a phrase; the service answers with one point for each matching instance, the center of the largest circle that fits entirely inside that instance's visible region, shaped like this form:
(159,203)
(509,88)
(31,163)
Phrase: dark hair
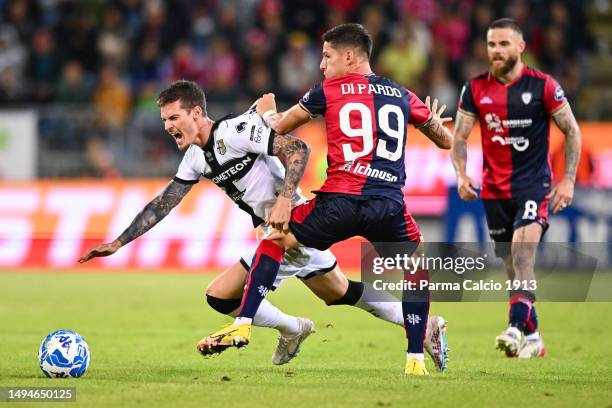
(351,34)
(188,92)
(506,23)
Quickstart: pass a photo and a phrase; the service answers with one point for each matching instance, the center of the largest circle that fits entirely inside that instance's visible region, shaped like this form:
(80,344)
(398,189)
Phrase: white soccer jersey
(238,159)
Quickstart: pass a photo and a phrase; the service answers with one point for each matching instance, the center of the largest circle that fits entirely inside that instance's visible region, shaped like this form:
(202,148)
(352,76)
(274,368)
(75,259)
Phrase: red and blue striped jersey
(515,130)
(366,118)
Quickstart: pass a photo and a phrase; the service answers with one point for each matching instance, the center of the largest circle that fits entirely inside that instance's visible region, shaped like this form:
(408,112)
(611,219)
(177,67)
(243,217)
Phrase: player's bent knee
(223,306)
(352,295)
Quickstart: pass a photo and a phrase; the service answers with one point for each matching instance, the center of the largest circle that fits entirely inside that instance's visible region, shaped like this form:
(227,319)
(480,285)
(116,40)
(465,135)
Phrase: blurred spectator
(73,87)
(258,82)
(43,66)
(477,60)
(12,66)
(111,99)
(443,88)
(451,32)
(112,39)
(298,66)
(375,22)
(401,60)
(77,33)
(145,67)
(223,70)
(184,64)
(23,15)
(100,159)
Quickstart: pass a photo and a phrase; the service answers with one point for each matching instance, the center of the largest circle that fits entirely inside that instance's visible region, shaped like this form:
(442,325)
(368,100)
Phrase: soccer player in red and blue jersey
(514,104)
(367,118)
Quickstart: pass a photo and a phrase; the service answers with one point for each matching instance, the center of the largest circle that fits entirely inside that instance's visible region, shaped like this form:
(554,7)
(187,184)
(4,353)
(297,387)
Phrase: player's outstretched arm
(150,215)
(296,153)
(434,128)
(564,191)
(281,122)
(463,127)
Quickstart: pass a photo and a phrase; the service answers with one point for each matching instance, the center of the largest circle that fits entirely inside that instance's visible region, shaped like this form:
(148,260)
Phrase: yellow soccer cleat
(414,366)
(228,336)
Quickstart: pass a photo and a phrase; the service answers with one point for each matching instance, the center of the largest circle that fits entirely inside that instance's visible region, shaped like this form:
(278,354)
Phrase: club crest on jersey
(486,100)
(526,97)
(221,149)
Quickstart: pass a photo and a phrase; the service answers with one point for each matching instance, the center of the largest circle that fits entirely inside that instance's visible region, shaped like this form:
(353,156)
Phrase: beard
(507,67)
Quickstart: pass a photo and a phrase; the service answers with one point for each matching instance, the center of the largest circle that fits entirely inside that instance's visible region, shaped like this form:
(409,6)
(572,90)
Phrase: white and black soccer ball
(63,354)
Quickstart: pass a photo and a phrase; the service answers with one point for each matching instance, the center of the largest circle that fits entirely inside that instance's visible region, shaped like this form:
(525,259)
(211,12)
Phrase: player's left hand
(563,194)
(280,214)
(101,250)
(266,103)
(437,113)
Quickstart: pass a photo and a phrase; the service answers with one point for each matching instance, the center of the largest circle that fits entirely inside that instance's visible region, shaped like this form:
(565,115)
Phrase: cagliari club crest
(526,97)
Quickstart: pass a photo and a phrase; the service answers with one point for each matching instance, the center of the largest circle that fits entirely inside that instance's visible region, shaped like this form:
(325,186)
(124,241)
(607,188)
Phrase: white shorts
(302,262)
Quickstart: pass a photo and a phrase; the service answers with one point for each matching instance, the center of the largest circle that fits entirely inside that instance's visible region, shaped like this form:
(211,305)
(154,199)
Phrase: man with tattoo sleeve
(237,153)
(513,104)
(366,118)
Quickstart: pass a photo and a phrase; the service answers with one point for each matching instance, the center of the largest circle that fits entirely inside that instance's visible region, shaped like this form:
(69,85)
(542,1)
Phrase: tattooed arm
(296,153)
(564,191)
(466,186)
(281,122)
(150,215)
(434,128)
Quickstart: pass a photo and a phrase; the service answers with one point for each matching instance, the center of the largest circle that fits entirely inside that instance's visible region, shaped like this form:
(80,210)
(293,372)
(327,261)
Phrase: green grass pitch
(142,330)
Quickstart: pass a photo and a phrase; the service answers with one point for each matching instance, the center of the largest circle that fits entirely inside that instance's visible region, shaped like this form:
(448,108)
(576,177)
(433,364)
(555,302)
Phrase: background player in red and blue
(367,118)
(514,104)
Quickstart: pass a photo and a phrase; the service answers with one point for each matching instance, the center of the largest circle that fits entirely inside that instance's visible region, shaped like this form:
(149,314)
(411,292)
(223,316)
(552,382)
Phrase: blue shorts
(334,217)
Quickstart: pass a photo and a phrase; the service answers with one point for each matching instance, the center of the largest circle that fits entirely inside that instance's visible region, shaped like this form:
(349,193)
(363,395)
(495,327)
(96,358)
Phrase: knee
(520,261)
(223,306)
(352,295)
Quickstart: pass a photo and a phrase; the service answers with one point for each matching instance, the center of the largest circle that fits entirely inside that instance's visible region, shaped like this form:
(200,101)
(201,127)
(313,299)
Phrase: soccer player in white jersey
(237,153)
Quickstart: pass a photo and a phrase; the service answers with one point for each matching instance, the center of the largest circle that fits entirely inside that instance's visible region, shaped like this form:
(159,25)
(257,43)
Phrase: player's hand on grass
(101,250)
(280,214)
(437,113)
(266,103)
(466,187)
(563,194)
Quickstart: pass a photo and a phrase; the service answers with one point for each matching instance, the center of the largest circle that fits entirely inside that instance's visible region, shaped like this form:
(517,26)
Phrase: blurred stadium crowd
(93,68)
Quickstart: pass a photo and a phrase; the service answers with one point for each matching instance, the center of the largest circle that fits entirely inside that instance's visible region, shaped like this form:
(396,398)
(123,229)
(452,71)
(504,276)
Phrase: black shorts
(505,215)
(334,217)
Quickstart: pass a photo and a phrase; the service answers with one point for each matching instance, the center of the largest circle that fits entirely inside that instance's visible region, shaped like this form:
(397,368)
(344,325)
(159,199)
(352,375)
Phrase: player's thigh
(500,215)
(230,283)
(330,286)
(392,230)
(325,220)
(530,233)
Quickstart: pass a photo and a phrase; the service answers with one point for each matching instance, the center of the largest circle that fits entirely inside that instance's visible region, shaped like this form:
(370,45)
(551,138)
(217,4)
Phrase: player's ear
(521,46)
(196,112)
(349,56)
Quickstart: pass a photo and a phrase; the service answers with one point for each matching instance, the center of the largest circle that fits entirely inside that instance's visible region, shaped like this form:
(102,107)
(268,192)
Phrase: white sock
(381,304)
(533,336)
(419,356)
(239,321)
(269,315)
(514,331)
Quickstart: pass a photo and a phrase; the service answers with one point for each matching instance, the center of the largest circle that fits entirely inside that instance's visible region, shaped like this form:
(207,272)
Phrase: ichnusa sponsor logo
(368,171)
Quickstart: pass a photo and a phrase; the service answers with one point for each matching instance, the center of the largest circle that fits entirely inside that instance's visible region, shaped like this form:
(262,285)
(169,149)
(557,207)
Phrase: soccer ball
(63,354)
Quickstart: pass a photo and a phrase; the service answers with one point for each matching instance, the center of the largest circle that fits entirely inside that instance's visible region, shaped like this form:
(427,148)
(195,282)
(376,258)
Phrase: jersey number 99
(366,131)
